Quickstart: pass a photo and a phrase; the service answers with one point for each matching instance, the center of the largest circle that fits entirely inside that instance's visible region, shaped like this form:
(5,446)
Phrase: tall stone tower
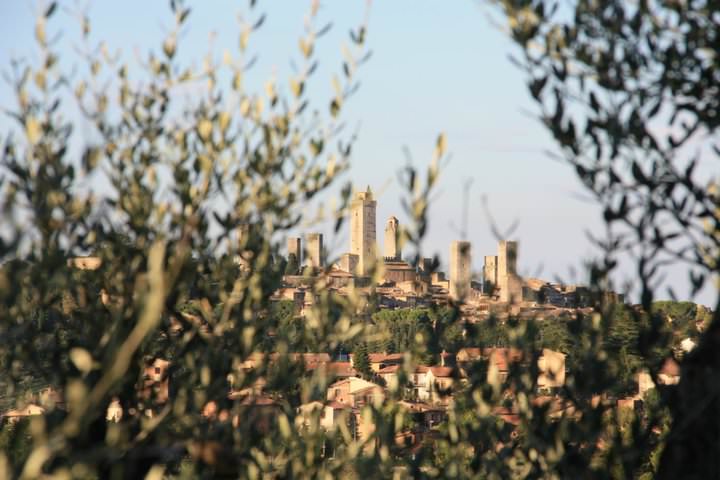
(294,248)
(460,266)
(509,282)
(294,256)
(392,239)
(362,230)
(490,273)
(507,258)
(314,250)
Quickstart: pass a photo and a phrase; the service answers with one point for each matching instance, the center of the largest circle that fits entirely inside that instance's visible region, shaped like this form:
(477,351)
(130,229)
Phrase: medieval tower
(508,281)
(314,252)
(460,266)
(362,230)
(392,240)
(490,274)
(294,249)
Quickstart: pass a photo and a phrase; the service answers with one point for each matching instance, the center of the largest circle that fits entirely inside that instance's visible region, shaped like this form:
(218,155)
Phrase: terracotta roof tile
(670,367)
(441,371)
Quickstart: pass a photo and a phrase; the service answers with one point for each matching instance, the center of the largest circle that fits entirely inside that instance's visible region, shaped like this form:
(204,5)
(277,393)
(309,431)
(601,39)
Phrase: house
(339,370)
(687,345)
(419,382)
(440,381)
(426,416)
(551,366)
(468,354)
(669,374)
(498,361)
(356,392)
(114,411)
(379,361)
(312,361)
(156,382)
(389,374)
(331,414)
(15,415)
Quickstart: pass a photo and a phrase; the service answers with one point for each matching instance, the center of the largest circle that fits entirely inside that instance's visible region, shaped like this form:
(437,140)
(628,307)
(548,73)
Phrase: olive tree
(629,91)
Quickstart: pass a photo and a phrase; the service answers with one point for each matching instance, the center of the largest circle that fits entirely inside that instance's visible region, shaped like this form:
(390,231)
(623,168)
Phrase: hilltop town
(499,289)
(417,294)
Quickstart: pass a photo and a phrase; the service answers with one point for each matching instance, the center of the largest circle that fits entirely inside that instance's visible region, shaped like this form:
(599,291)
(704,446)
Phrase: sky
(436,66)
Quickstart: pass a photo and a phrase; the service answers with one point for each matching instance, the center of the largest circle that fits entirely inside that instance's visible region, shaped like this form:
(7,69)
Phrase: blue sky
(437,66)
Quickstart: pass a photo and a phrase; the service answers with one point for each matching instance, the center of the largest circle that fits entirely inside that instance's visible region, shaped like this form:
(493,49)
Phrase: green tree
(182,278)
(361,360)
(16,442)
(626,90)
(293,266)
(196,195)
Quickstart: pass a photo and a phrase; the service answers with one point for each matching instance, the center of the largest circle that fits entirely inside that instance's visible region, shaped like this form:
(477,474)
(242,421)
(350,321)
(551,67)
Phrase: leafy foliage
(629,93)
(184,241)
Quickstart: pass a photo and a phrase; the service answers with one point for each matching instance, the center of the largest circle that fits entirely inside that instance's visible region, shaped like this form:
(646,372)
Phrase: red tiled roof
(441,371)
(670,367)
(389,369)
(472,352)
(507,414)
(385,357)
(502,357)
(314,360)
(341,369)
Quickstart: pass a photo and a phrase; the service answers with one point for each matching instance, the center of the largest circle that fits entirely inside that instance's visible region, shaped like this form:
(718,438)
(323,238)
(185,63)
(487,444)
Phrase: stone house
(356,392)
(389,374)
(15,415)
(669,374)
(331,414)
(440,381)
(551,366)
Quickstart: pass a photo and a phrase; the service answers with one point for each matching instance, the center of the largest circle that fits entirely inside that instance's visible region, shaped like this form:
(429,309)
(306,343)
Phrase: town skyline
(505,143)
